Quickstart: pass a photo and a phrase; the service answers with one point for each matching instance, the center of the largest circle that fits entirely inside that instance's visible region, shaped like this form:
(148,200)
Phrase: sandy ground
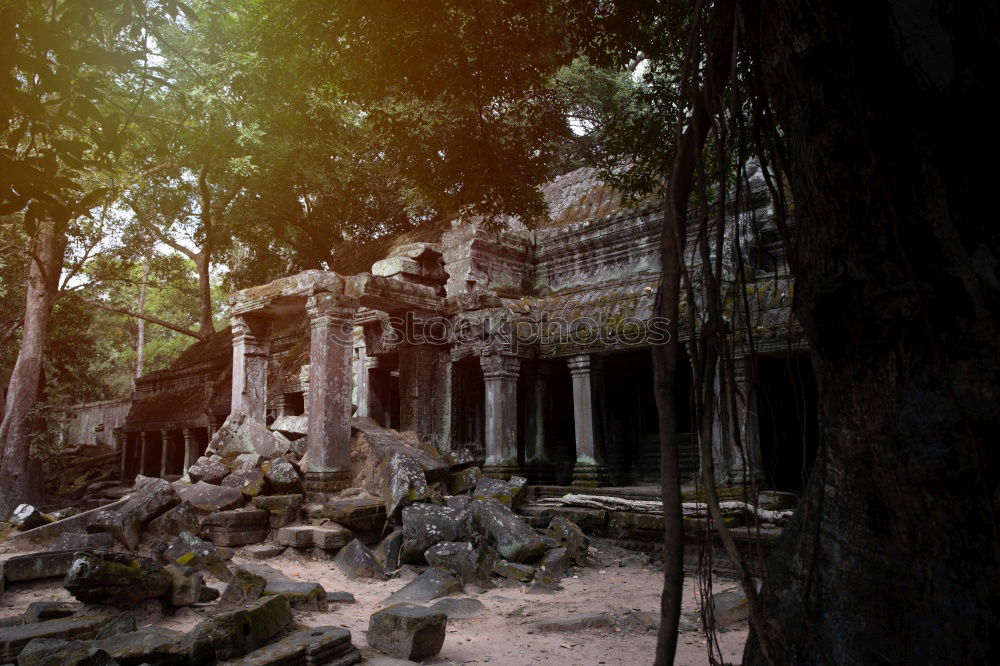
(506,634)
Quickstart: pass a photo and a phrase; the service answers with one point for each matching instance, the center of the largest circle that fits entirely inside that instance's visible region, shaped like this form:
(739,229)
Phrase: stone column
(500,376)
(745,471)
(144,445)
(165,452)
(251,348)
(190,448)
(331,349)
(125,450)
(537,462)
(589,469)
(376,410)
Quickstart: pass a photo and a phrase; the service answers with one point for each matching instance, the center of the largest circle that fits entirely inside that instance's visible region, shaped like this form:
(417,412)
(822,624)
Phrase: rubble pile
(168,542)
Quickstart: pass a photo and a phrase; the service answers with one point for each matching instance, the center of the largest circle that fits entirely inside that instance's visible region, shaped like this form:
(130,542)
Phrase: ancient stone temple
(527,349)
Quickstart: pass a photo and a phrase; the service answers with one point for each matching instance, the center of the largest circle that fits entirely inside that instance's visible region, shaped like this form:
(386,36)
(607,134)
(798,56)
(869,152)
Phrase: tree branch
(151,319)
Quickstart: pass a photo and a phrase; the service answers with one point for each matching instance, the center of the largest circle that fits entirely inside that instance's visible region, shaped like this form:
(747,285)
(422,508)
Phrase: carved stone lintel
(497,366)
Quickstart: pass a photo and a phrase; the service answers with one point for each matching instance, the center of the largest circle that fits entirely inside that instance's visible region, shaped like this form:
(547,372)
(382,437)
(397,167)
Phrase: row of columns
(149,442)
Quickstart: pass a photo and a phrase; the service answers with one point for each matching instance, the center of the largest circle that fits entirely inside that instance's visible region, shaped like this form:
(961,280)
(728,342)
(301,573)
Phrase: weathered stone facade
(529,349)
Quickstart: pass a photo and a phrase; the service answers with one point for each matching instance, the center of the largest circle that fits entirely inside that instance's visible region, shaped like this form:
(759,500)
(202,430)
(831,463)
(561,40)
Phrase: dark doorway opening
(469,401)
(787,409)
(383,391)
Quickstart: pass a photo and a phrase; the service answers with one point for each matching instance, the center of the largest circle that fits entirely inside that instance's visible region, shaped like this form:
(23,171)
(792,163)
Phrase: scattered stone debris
(407,631)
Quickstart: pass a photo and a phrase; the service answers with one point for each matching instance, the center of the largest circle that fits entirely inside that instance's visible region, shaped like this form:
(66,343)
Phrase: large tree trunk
(140,345)
(205,323)
(893,555)
(16,483)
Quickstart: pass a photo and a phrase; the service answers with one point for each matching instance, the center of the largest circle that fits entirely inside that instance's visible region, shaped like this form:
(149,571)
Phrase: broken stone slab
(40,611)
(405,483)
(124,527)
(729,607)
(407,631)
(556,562)
(27,517)
(236,528)
(181,518)
(509,493)
(121,624)
(511,536)
(340,597)
(189,550)
(209,469)
(355,561)
(74,541)
(329,537)
(149,645)
(38,566)
(263,551)
(186,585)
(463,480)
(52,651)
(461,608)
(363,514)
(44,536)
(521,573)
(572,538)
(283,477)
(387,550)
(250,482)
(232,634)
(309,647)
(209,497)
(460,558)
(241,433)
(429,585)
(283,509)
(302,595)
(426,524)
(150,500)
(576,623)
(14,639)
(244,587)
(292,427)
(248,461)
(115,578)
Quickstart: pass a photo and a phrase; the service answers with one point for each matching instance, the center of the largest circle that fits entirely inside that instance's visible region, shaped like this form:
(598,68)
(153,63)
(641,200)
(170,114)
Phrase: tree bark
(140,346)
(206,325)
(16,483)
(893,554)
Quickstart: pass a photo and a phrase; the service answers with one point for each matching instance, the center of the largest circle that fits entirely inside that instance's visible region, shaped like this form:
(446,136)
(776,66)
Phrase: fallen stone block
(121,624)
(38,566)
(292,427)
(236,528)
(339,597)
(27,517)
(208,497)
(556,562)
(283,509)
(189,550)
(241,433)
(300,594)
(572,538)
(181,518)
(124,527)
(186,585)
(74,541)
(460,609)
(115,578)
(463,480)
(308,536)
(283,477)
(153,498)
(44,536)
(248,461)
(405,483)
(54,651)
(250,482)
(426,524)
(429,585)
(208,469)
(232,634)
(387,551)
(521,573)
(355,561)
(576,623)
(729,607)
(244,587)
(509,493)
(581,515)
(512,538)
(263,551)
(309,647)
(14,639)
(362,514)
(39,611)
(149,645)
(407,631)
(462,559)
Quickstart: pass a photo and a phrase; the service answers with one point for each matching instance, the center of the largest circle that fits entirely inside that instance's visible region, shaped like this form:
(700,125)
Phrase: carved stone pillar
(144,453)
(190,449)
(125,456)
(746,465)
(500,377)
(251,347)
(589,469)
(373,401)
(164,452)
(537,461)
(328,465)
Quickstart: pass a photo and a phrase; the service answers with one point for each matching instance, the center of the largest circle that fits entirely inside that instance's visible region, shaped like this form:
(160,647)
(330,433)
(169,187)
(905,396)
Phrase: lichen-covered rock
(292,427)
(283,477)
(314,646)
(509,493)
(429,585)
(115,578)
(572,538)
(236,528)
(208,497)
(122,526)
(405,483)
(150,500)
(283,509)
(460,609)
(13,640)
(328,537)
(387,550)
(189,550)
(148,645)
(426,524)
(208,469)
(244,587)
(511,536)
(235,633)
(27,517)
(244,434)
(74,541)
(513,571)
(186,585)
(250,482)
(248,461)
(40,611)
(460,558)
(407,631)
(355,561)
(556,562)
(179,519)
(463,480)
(37,566)
(54,651)
(361,512)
